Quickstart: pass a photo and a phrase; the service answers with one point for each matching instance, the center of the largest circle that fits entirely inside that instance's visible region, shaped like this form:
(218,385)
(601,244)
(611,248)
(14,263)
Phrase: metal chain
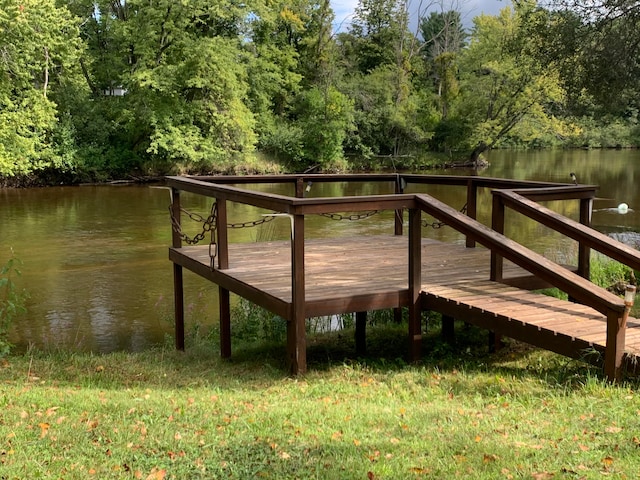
(254,223)
(208,224)
(352,217)
(437,225)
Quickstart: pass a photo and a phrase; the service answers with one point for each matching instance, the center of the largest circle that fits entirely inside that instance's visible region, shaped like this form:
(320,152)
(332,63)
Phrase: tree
(504,80)
(39,46)
(183,71)
(444,37)
(604,36)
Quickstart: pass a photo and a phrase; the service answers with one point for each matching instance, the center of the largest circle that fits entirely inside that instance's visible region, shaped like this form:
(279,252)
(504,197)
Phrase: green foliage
(12,301)
(504,81)
(325,117)
(40,47)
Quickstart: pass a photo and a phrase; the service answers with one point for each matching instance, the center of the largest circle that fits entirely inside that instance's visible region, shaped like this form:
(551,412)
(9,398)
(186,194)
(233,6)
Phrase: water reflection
(96,265)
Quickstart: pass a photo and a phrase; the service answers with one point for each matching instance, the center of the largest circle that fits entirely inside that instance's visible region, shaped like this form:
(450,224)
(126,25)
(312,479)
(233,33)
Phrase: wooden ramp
(345,275)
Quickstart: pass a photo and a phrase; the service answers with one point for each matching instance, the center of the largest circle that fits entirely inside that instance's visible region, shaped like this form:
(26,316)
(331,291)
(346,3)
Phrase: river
(95,257)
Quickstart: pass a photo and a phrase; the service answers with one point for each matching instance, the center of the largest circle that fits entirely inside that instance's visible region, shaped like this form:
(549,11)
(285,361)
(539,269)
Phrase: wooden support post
(497,224)
(222,240)
(448,332)
(178,300)
(496,270)
(178,284)
(296,335)
(399,214)
(472,208)
(361,333)
(225,322)
(415,285)
(616,329)
(616,332)
(397,230)
(300,187)
(584,252)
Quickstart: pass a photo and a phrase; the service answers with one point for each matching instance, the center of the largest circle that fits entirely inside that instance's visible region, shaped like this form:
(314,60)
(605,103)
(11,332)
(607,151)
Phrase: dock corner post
(616,326)
(616,337)
(415,285)
(472,208)
(178,284)
(296,334)
(225,322)
(178,298)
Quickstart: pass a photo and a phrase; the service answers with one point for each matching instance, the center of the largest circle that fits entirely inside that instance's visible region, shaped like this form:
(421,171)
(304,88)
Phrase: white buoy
(623,208)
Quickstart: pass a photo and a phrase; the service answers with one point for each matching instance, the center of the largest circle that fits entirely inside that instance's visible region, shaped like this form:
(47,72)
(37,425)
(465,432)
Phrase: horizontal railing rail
(596,297)
(521,202)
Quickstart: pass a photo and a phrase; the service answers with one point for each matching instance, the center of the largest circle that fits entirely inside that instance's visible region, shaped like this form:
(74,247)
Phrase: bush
(12,301)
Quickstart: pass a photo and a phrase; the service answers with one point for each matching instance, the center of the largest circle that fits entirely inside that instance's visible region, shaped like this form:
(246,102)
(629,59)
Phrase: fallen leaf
(542,476)
(607,461)
(44,428)
(157,474)
(489,458)
(284,455)
(371,476)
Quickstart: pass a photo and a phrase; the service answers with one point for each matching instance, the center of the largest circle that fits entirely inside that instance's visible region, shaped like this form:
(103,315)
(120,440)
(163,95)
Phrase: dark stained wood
(477,285)
(178,305)
(225,322)
(361,333)
(344,275)
(415,285)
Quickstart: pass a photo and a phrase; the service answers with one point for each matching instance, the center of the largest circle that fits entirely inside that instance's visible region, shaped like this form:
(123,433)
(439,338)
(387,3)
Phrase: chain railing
(437,225)
(351,217)
(209,226)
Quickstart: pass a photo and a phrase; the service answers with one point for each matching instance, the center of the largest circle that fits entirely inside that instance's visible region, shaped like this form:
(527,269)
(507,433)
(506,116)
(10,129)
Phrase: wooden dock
(490,286)
(358,274)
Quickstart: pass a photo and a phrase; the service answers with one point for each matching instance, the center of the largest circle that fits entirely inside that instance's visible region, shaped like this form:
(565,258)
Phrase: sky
(343,9)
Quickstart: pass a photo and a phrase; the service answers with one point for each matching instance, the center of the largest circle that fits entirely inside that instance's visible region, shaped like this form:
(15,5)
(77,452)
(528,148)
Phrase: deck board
(344,275)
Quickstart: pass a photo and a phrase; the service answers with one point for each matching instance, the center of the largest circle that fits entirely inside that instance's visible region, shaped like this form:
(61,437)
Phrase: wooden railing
(517,195)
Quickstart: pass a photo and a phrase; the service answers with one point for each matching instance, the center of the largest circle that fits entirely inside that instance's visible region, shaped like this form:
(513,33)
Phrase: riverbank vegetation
(95,90)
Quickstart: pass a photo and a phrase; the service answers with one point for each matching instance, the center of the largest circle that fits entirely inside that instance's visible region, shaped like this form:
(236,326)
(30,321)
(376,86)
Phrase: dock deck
(345,275)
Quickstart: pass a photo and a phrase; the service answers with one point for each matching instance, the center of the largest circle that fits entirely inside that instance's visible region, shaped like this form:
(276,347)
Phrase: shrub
(12,301)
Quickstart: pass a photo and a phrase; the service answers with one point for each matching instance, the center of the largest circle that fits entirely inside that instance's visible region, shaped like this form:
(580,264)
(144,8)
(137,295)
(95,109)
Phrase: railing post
(178,284)
(296,337)
(472,207)
(584,252)
(224,300)
(614,350)
(415,284)
(497,224)
(616,336)
(300,187)
(399,214)
(397,230)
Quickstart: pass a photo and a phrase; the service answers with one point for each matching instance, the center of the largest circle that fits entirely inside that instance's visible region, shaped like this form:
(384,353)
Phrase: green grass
(520,413)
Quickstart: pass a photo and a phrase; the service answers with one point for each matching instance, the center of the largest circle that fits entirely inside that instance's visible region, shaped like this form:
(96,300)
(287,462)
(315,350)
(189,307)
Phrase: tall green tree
(505,87)
(183,71)
(39,48)
(444,37)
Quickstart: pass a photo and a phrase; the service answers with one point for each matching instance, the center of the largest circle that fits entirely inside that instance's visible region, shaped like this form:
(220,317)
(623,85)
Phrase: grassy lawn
(519,413)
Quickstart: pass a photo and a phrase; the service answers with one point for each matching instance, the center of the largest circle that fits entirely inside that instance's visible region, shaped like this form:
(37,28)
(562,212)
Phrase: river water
(95,258)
